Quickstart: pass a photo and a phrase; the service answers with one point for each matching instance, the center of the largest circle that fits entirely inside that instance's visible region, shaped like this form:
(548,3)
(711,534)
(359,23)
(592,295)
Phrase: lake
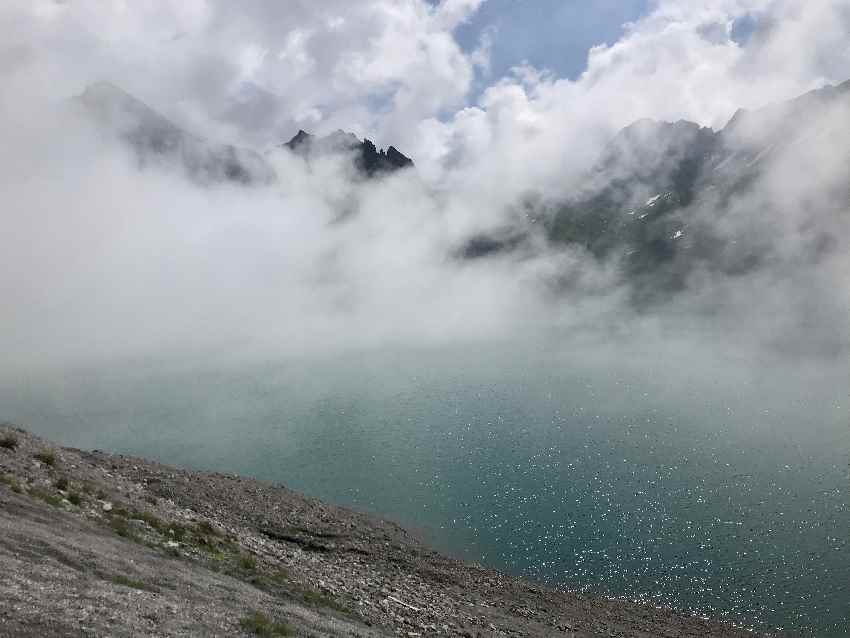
(716,483)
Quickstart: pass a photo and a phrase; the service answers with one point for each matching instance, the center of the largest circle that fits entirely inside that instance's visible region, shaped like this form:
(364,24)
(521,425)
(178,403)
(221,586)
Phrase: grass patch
(151,519)
(8,441)
(205,528)
(272,582)
(135,584)
(177,530)
(259,624)
(122,528)
(318,599)
(12,483)
(75,499)
(279,577)
(43,495)
(247,562)
(48,457)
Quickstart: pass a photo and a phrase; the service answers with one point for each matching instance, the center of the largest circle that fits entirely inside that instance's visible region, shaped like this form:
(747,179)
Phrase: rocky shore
(94,544)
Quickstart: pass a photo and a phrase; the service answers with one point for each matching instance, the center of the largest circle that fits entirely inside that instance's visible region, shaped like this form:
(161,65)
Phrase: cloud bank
(106,260)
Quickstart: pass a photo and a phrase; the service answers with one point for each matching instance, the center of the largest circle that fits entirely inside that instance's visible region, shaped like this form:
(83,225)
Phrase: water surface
(721,489)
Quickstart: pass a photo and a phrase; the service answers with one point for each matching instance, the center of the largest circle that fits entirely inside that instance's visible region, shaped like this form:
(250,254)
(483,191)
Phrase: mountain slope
(668,199)
(157,141)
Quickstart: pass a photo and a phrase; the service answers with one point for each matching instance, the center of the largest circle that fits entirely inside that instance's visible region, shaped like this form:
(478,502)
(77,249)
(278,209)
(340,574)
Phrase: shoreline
(104,543)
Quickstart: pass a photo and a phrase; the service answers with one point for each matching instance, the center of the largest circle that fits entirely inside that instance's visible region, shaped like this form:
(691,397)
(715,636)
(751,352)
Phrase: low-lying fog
(322,331)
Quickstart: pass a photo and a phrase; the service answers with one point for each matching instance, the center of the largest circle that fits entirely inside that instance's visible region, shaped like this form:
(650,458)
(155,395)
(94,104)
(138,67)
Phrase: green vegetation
(151,519)
(135,584)
(75,499)
(259,624)
(46,496)
(120,526)
(48,457)
(61,484)
(87,487)
(247,562)
(11,482)
(318,599)
(177,530)
(279,577)
(207,529)
(9,441)
(272,582)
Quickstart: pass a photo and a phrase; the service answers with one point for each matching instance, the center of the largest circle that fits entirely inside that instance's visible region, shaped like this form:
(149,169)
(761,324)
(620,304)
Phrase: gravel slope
(95,544)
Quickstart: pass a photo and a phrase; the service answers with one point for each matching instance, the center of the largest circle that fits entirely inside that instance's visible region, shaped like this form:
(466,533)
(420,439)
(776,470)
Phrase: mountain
(367,158)
(157,141)
(661,192)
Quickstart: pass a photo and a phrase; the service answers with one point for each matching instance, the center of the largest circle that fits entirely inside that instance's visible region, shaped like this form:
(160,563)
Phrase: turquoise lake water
(721,489)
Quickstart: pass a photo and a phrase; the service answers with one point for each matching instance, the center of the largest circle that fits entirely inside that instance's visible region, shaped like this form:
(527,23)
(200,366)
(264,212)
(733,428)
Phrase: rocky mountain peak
(368,158)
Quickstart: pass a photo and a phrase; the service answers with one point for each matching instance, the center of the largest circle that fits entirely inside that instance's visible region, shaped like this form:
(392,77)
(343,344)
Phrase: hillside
(101,544)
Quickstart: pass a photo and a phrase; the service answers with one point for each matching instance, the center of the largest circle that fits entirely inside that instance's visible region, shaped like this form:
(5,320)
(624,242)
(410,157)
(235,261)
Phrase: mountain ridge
(367,157)
(156,140)
(654,199)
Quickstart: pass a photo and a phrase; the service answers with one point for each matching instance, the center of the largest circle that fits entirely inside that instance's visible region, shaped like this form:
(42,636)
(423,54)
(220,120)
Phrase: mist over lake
(704,480)
(561,287)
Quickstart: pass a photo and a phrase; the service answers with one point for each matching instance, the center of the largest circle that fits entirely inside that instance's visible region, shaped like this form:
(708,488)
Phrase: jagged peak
(368,157)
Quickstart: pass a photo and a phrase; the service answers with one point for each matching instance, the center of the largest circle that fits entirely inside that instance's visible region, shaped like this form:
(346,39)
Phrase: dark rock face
(655,196)
(484,245)
(302,140)
(368,159)
(157,141)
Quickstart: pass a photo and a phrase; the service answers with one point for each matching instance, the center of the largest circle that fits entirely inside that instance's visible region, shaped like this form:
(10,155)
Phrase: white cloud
(107,259)
(533,130)
(373,66)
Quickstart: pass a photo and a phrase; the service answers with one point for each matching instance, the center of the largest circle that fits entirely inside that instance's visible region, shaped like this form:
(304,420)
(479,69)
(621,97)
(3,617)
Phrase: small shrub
(61,484)
(135,584)
(248,563)
(75,499)
(259,624)
(122,528)
(151,519)
(43,495)
(318,599)
(11,482)
(270,582)
(48,457)
(280,576)
(177,530)
(207,529)
(9,441)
